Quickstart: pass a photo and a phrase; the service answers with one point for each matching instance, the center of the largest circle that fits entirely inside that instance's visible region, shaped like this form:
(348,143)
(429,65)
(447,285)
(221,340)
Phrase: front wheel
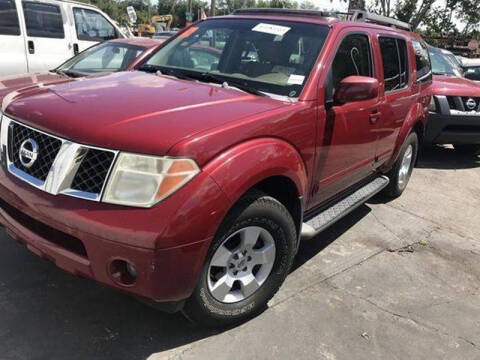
(247,262)
(400,174)
(471,150)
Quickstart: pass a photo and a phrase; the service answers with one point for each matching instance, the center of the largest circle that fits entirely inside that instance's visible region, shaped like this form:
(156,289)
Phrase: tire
(471,150)
(255,212)
(399,175)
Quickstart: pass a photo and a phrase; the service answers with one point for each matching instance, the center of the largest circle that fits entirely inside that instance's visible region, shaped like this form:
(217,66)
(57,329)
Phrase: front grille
(55,165)
(461,103)
(467,99)
(93,171)
(48,148)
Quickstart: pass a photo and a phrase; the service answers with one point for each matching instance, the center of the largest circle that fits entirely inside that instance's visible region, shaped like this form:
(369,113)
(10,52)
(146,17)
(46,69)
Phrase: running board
(334,213)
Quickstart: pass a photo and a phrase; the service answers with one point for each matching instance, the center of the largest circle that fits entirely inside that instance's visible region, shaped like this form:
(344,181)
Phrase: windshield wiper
(69,73)
(209,77)
(164,71)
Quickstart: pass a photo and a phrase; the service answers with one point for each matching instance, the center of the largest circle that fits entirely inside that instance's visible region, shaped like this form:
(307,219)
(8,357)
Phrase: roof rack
(361,15)
(284,12)
(353,15)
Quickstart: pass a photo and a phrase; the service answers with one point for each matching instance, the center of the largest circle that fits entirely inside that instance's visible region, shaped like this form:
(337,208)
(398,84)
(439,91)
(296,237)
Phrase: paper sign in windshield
(296,79)
(271,29)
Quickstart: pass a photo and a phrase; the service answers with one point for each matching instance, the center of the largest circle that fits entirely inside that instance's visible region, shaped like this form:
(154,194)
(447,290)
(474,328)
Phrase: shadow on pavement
(445,158)
(48,314)
(311,247)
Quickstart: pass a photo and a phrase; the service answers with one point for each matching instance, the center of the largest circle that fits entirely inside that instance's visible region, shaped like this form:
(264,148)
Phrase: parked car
(192,188)
(453,59)
(106,57)
(471,68)
(454,111)
(39,35)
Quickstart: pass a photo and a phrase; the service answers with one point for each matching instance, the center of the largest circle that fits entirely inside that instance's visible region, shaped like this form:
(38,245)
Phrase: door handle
(31,47)
(374,117)
(75,49)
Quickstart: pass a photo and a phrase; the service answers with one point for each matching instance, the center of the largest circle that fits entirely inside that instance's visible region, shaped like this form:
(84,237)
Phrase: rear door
(48,40)
(346,154)
(11,39)
(397,93)
(91,27)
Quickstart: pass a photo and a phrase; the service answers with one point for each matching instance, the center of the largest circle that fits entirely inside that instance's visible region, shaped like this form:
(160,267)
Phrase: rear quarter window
(8,18)
(422,61)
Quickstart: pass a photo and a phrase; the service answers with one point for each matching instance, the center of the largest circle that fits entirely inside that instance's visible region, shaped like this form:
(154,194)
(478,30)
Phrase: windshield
(441,65)
(273,57)
(106,57)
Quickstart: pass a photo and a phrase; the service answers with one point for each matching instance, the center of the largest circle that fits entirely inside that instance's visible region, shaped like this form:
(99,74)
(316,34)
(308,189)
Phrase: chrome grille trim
(63,169)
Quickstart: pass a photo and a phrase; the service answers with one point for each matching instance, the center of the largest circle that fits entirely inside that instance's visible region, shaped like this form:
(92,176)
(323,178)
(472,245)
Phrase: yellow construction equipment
(157,23)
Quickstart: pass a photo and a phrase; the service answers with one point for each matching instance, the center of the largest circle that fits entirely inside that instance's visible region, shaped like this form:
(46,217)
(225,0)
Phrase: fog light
(122,272)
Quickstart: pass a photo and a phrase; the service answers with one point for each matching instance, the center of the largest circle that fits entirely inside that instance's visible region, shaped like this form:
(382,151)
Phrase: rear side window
(8,18)
(422,60)
(353,58)
(92,26)
(43,20)
(395,63)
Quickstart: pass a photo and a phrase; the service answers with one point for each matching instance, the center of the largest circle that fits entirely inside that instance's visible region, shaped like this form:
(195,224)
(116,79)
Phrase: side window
(422,60)
(395,63)
(8,18)
(43,20)
(353,58)
(92,26)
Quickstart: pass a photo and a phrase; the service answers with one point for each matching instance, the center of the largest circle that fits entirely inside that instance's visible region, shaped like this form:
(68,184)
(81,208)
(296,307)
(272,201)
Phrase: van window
(92,26)
(422,60)
(353,58)
(8,18)
(43,20)
(395,63)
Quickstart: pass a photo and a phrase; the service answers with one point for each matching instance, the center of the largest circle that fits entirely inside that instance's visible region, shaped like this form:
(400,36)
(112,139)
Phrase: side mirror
(356,88)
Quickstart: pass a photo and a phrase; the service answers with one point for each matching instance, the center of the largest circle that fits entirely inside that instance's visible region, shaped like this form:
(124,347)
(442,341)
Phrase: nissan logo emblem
(471,104)
(28,152)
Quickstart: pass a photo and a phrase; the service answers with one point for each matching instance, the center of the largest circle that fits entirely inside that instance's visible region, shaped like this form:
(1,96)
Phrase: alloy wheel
(241,264)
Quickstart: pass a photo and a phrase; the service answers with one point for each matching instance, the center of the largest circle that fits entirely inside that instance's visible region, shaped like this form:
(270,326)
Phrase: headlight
(140,180)
(432,107)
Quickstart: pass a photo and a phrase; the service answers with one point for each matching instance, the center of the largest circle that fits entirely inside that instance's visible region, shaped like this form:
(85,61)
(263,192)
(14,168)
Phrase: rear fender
(415,115)
(241,167)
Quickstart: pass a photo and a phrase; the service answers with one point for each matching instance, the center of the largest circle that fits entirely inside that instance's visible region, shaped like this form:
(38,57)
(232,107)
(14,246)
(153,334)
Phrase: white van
(39,35)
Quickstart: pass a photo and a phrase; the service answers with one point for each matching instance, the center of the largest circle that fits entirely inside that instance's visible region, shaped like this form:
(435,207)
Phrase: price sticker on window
(272,29)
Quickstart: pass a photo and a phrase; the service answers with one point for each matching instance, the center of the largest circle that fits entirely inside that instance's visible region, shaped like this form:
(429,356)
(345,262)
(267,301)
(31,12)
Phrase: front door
(346,150)
(91,27)
(47,42)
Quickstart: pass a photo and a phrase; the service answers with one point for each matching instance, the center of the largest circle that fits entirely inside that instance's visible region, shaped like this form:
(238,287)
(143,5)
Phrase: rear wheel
(247,262)
(467,149)
(402,169)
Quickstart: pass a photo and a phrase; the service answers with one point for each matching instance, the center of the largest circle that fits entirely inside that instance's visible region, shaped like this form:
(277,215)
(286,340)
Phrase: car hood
(454,86)
(12,83)
(133,111)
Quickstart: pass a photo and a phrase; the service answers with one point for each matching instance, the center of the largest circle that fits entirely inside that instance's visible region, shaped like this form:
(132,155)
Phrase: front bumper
(452,129)
(167,244)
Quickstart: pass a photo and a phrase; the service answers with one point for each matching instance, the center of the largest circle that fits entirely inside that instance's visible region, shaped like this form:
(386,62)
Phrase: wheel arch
(278,171)
(415,121)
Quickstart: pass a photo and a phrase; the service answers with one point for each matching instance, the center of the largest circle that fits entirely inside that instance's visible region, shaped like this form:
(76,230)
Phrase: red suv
(190,181)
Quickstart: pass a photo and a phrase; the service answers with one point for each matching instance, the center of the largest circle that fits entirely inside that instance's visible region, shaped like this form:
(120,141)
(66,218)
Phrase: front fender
(241,167)
(415,115)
